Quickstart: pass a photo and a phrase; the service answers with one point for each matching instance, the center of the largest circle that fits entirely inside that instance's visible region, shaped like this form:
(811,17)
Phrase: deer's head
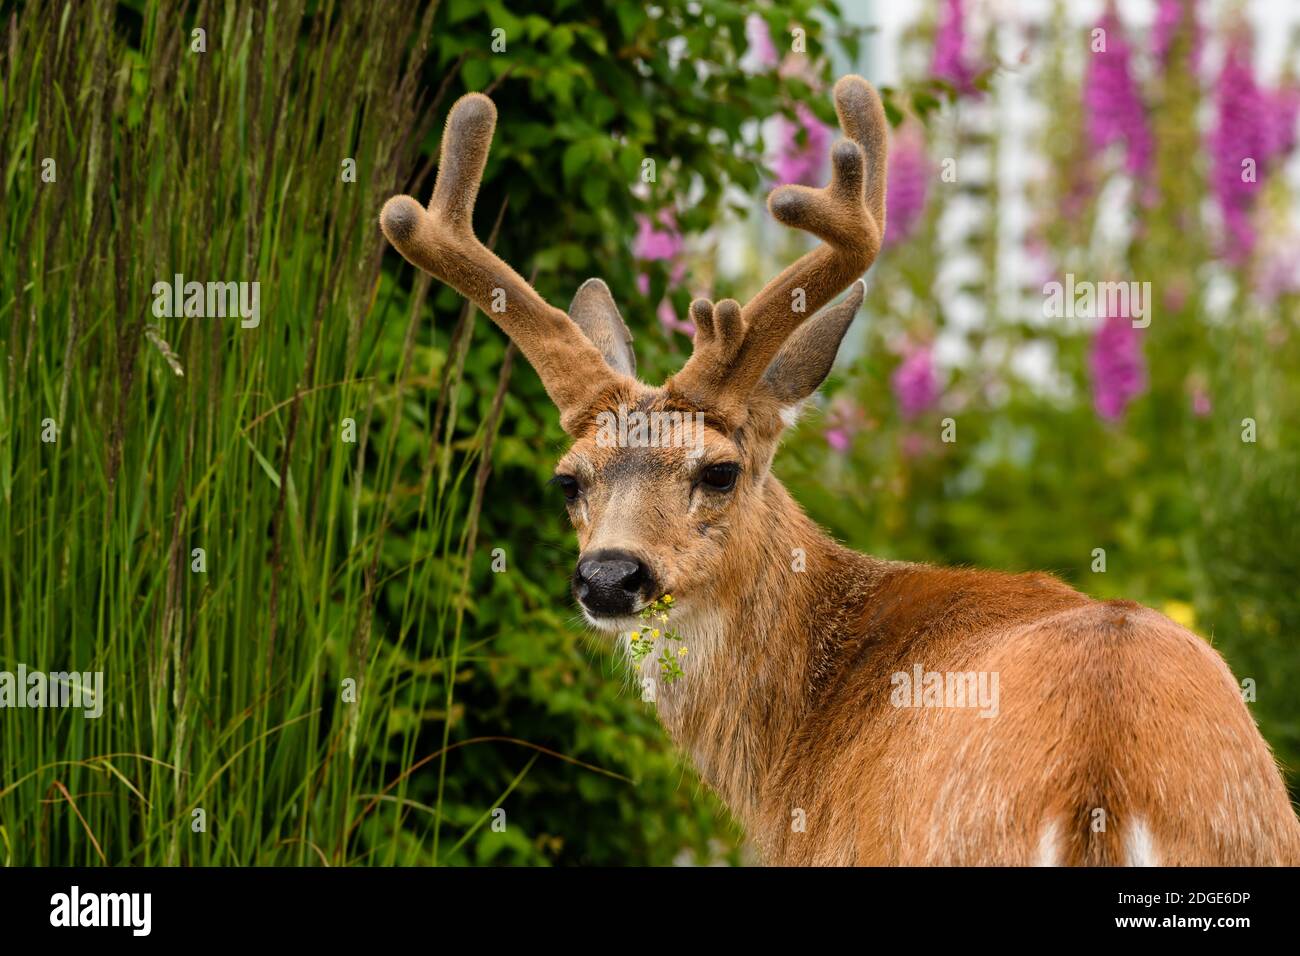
(661,481)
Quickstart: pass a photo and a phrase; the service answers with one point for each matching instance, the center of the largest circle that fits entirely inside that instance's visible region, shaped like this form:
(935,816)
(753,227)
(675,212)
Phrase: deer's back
(1102,733)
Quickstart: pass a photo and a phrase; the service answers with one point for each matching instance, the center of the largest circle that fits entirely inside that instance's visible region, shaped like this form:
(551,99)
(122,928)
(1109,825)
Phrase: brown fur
(1119,737)
(786,707)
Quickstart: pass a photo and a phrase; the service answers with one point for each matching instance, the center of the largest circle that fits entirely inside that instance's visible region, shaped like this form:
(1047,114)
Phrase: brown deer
(851,710)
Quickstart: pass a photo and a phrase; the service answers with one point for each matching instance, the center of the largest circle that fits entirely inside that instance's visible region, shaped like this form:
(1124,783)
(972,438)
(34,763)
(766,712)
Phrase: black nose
(610,581)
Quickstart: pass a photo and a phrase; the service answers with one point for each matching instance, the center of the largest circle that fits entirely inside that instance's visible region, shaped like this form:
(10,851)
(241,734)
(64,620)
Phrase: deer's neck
(758,642)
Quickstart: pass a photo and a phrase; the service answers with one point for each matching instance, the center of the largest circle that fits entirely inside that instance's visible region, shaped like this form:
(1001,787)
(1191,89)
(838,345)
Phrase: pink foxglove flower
(1254,131)
(1118,367)
(907,183)
(1237,144)
(664,244)
(801,163)
(657,244)
(839,439)
(950,61)
(668,319)
(1280,121)
(914,382)
(1110,97)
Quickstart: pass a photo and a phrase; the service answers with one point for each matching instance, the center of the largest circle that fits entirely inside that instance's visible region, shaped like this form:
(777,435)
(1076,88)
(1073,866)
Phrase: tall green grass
(223,688)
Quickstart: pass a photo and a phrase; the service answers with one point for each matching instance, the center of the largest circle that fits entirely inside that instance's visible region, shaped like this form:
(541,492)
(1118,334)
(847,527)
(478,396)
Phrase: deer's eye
(569,485)
(720,477)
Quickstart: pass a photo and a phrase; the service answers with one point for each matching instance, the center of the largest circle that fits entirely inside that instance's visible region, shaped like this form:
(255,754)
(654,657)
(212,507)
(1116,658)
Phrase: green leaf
(574,160)
(595,190)
(476,74)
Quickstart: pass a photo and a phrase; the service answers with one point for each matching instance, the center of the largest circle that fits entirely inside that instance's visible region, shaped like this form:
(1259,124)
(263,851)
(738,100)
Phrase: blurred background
(379,661)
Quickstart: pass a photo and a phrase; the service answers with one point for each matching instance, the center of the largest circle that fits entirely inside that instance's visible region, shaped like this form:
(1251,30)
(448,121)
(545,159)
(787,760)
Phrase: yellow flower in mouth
(668,599)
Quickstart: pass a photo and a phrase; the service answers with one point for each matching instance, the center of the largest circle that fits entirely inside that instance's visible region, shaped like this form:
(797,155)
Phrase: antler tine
(848,216)
(441,241)
(465,144)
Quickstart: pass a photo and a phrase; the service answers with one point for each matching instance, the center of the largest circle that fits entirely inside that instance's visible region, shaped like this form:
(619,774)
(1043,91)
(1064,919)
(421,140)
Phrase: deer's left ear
(594,311)
(805,359)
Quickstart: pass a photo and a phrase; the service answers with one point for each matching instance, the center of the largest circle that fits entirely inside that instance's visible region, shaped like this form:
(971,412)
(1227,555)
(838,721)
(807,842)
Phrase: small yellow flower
(636,635)
(681,652)
(668,599)
(655,632)
(1181,612)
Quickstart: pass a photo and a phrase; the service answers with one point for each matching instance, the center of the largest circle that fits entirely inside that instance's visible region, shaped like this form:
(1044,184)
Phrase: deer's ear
(806,358)
(594,311)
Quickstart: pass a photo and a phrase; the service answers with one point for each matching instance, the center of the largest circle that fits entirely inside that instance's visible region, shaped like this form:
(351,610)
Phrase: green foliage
(654,618)
(349,681)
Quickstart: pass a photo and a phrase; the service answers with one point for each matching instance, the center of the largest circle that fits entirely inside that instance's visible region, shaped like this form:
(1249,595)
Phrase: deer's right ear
(594,311)
(805,359)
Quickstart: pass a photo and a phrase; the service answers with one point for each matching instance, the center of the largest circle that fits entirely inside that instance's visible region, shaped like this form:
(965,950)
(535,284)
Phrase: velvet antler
(441,241)
(734,345)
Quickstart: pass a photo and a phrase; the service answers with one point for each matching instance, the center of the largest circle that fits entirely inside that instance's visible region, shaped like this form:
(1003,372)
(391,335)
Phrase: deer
(817,700)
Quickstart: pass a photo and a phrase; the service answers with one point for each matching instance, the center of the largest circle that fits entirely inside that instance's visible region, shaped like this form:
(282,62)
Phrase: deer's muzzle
(611,582)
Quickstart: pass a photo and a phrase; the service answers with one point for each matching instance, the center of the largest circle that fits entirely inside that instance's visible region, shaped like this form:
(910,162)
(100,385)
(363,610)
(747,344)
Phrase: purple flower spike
(653,244)
(1255,129)
(950,62)
(1110,97)
(909,180)
(1118,367)
(801,163)
(914,382)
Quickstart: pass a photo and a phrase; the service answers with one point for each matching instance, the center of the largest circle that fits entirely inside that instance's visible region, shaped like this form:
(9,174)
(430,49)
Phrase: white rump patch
(1139,846)
(1048,852)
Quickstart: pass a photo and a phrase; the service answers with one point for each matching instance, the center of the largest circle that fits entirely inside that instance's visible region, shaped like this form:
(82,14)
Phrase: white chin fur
(612,625)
